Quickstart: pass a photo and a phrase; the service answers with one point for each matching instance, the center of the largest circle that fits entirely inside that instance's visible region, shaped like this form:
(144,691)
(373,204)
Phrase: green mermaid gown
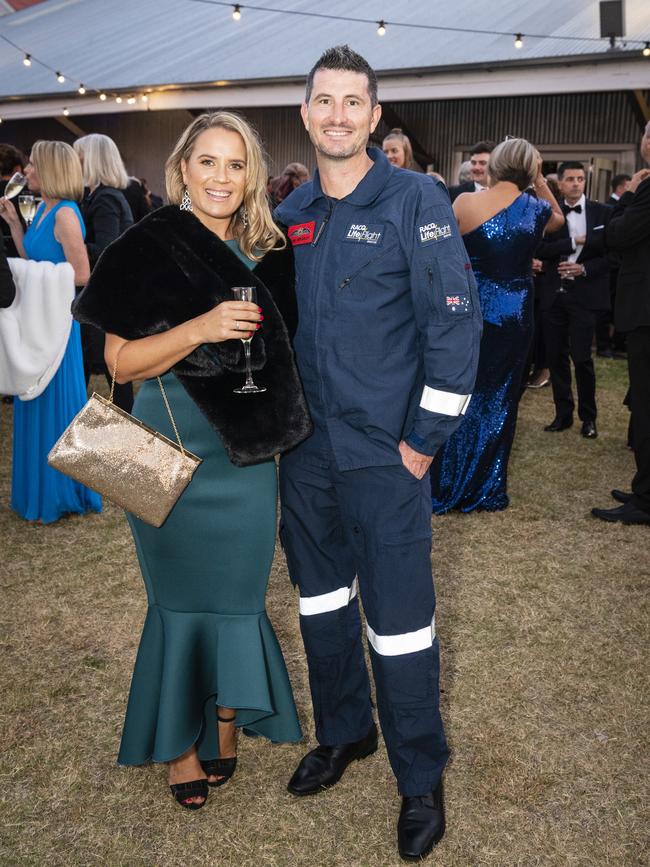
(207,639)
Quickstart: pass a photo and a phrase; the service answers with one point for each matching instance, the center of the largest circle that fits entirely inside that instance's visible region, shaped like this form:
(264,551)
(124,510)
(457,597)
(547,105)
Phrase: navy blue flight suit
(387,347)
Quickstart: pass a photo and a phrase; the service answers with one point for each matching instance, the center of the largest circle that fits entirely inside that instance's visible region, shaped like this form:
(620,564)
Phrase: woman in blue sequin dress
(39,493)
(501,229)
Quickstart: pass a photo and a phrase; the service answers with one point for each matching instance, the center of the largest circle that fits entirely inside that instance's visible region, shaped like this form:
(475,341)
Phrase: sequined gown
(470,471)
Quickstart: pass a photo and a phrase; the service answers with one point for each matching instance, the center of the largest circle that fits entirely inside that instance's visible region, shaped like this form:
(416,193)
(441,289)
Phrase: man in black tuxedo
(574,287)
(479,157)
(628,233)
(611,346)
(620,185)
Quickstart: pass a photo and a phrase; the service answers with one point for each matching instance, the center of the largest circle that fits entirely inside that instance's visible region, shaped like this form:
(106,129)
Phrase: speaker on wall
(612,19)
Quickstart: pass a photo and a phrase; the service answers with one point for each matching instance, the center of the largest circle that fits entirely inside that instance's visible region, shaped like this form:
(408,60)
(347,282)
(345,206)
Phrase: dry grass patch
(543,622)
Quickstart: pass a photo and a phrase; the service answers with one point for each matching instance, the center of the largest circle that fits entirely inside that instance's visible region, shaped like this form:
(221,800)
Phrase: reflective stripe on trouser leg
(321,564)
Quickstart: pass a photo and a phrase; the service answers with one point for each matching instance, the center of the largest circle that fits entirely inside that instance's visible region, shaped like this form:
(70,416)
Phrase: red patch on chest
(302,233)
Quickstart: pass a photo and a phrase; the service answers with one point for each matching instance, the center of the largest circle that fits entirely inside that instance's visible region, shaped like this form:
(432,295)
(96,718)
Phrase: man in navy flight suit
(387,347)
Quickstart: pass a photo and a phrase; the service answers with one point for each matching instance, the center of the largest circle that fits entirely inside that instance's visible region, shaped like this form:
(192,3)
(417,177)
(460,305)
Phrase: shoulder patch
(433,232)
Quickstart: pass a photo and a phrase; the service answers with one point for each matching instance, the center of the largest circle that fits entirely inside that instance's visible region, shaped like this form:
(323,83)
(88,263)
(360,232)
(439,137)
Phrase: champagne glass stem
(249,372)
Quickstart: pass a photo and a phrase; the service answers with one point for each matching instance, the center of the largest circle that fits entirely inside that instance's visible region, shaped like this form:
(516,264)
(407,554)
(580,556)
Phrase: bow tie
(566,209)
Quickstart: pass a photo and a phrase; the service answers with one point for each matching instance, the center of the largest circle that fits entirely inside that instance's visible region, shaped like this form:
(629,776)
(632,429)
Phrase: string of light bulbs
(383,25)
(82,90)
(382,28)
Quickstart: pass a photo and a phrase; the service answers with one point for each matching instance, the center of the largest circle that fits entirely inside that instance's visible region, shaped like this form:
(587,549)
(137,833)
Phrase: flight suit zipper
(373,261)
(317,272)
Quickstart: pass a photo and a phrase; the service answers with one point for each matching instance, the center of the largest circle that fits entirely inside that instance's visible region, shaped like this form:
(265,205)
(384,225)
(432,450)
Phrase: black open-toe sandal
(183,792)
(223,768)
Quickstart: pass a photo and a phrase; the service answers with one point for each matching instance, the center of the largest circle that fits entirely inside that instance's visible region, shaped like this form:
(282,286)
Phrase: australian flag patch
(457,303)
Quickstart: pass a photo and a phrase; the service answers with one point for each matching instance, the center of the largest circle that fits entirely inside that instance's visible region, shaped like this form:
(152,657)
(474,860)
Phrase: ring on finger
(236,324)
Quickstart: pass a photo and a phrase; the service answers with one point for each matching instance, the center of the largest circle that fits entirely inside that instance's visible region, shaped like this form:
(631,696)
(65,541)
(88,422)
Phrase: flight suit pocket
(358,282)
(449,287)
(287,548)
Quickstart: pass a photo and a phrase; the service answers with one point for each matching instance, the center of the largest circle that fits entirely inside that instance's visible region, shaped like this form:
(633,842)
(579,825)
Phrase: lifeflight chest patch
(301,233)
(365,233)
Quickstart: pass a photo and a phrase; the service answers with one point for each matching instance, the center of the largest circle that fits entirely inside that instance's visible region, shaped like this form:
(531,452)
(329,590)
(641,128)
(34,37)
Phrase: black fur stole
(169,268)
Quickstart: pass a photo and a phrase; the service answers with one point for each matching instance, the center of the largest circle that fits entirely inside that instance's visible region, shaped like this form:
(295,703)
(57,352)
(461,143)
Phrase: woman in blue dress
(56,235)
(501,228)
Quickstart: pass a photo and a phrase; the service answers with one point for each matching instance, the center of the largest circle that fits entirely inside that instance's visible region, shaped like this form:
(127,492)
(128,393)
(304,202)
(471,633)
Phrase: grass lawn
(543,622)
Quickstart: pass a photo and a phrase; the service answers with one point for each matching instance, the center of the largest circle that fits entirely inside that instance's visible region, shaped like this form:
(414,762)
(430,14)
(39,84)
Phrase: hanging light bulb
(66,112)
(82,89)
(103,97)
(646,50)
(144,97)
(118,99)
(27,60)
(131,100)
(519,41)
(59,77)
(236,14)
(381,28)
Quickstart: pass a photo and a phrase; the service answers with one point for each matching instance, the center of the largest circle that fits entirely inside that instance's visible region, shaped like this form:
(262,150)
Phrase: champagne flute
(563,280)
(15,184)
(247,293)
(27,207)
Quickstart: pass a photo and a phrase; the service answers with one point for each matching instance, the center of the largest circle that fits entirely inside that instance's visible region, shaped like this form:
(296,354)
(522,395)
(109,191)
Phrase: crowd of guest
(542,313)
(85,201)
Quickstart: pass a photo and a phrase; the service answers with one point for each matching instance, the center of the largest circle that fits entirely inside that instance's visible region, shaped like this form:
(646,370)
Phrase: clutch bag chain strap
(164,397)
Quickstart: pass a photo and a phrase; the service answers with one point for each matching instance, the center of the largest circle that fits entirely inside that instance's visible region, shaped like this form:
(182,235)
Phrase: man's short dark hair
(342,57)
(569,164)
(10,157)
(617,180)
(482,147)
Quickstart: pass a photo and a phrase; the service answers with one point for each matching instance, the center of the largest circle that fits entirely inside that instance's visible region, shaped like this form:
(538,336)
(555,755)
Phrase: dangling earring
(186,202)
(244,217)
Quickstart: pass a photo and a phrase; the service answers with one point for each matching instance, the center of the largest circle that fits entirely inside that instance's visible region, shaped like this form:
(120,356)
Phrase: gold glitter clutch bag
(123,459)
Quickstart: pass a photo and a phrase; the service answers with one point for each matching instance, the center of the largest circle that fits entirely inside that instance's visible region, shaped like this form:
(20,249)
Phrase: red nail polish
(259,309)
(258,326)
(261,318)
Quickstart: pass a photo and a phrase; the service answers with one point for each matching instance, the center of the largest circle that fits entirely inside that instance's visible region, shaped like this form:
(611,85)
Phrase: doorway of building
(601,162)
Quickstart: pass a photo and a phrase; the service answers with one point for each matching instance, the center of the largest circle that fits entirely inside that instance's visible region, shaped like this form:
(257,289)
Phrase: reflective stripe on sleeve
(444,402)
(328,601)
(407,642)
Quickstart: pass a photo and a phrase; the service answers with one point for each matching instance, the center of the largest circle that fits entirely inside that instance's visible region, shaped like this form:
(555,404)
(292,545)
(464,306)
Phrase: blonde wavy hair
(260,234)
(58,169)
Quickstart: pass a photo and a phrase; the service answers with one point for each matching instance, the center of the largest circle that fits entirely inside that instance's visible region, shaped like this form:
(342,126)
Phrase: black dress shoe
(324,766)
(421,824)
(588,430)
(625,514)
(559,424)
(622,496)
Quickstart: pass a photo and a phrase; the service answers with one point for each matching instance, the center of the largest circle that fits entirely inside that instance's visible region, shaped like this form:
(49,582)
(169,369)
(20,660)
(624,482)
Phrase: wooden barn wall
(596,118)
(146,138)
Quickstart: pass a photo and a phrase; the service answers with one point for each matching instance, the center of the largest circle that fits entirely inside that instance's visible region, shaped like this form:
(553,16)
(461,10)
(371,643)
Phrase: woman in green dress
(208,661)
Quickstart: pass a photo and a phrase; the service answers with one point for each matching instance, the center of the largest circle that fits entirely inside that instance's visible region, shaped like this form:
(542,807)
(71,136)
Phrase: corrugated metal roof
(133,43)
